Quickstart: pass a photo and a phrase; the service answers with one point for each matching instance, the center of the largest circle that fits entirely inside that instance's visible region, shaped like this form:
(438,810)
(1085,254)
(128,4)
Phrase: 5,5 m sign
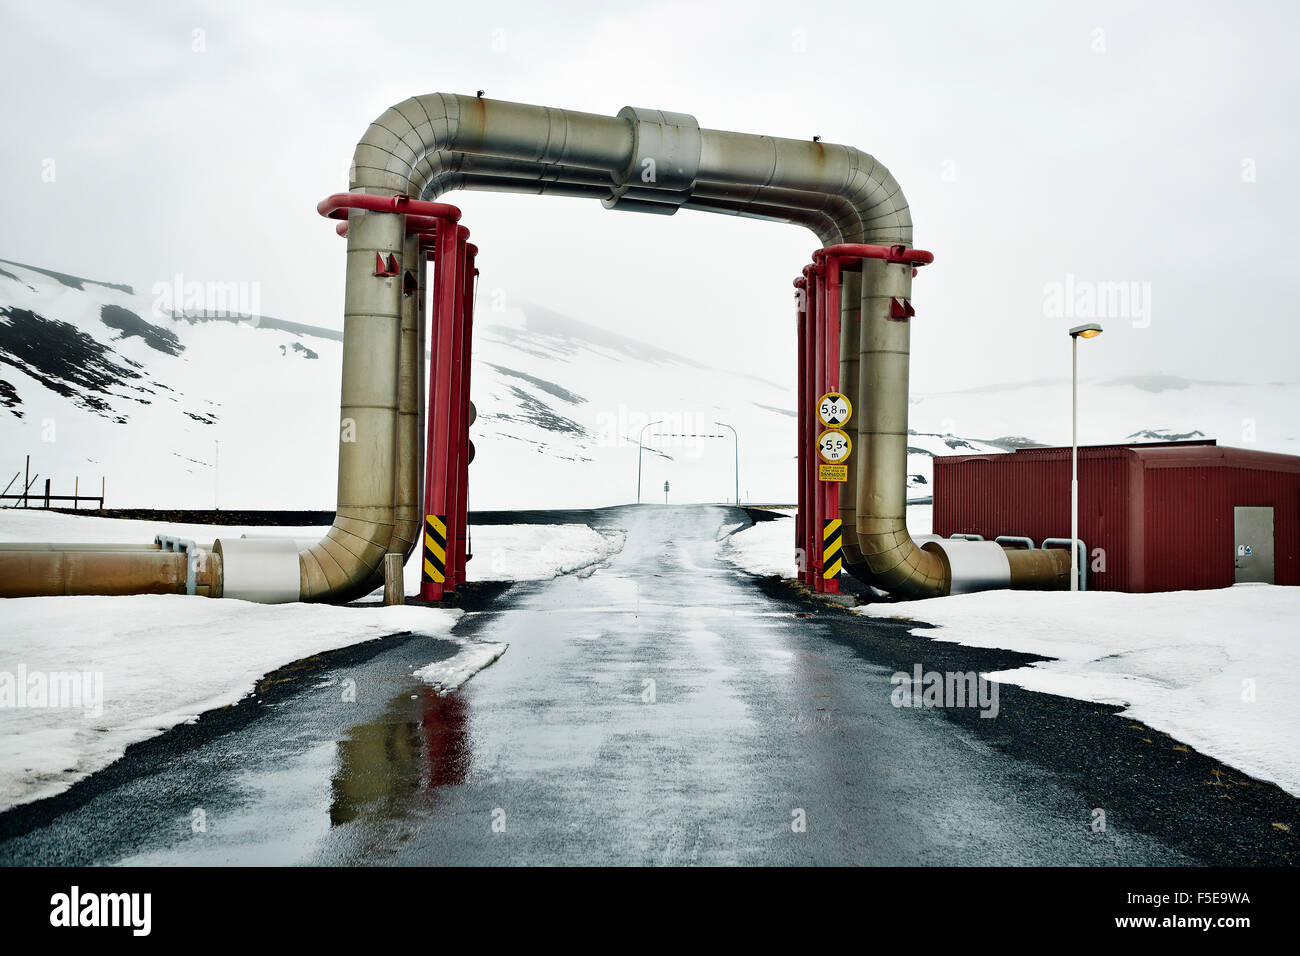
(833,448)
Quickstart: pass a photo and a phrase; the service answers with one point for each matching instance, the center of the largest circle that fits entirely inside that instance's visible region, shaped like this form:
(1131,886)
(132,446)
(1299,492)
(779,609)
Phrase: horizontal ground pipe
(59,572)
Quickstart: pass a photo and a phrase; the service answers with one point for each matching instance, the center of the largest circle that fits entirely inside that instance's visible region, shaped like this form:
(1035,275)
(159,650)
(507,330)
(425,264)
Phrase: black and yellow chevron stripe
(832,558)
(435,549)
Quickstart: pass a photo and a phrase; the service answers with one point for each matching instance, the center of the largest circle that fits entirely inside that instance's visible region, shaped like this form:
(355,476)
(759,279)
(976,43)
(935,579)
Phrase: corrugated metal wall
(1028,493)
(1162,515)
(1190,524)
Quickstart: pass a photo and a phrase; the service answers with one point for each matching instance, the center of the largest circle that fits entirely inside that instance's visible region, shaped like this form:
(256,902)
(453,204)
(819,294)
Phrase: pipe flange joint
(664,164)
(169,542)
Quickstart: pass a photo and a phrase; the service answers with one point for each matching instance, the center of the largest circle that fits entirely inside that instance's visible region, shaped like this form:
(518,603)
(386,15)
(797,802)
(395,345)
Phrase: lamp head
(1089,331)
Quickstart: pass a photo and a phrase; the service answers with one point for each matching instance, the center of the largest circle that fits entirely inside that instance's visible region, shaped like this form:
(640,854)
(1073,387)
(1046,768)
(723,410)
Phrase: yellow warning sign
(834,410)
(832,472)
(435,549)
(832,556)
(834,446)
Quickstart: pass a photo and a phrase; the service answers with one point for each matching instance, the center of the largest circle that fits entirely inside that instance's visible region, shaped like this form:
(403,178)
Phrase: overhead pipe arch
(644,161)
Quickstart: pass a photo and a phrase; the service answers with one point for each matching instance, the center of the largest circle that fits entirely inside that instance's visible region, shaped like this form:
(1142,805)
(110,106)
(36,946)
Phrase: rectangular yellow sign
(833,472)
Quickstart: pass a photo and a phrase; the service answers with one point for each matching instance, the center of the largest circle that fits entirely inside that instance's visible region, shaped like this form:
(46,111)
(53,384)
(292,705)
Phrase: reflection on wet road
(663,710)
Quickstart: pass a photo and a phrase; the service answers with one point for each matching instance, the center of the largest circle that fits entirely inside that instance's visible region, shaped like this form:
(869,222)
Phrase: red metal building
(1166,516)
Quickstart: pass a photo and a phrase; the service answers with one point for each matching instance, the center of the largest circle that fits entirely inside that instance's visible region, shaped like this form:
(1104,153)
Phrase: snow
(1179,662)
(528,552)
(446,676)
(34,525)
(161,660)
(768,547)
(536,552)
(1218,670)
(560,406)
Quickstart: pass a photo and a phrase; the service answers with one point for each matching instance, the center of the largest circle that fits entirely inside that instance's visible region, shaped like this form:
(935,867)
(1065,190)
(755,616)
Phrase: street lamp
(737,442)
(639,448)
(1089,331)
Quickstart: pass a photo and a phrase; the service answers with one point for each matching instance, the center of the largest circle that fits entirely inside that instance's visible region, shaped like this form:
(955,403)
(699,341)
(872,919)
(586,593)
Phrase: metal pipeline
(640,160)
(93,570)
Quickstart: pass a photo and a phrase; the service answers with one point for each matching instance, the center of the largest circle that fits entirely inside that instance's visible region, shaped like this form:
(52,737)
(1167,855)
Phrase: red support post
(435,543)
(808,438)
(801,426)
(462,483)
(829,490)
(455,417)
(818,382)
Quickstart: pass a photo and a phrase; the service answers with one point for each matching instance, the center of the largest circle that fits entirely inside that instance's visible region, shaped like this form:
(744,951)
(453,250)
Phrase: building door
(1253,534)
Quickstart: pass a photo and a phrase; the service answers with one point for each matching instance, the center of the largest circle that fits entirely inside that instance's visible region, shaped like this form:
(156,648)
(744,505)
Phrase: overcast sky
(1146,143)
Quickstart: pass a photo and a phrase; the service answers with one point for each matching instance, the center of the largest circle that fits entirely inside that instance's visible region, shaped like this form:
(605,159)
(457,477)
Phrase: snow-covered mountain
(95,380)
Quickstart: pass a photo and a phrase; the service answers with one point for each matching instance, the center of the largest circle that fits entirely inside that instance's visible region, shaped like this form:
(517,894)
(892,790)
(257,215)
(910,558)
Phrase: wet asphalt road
(666,709)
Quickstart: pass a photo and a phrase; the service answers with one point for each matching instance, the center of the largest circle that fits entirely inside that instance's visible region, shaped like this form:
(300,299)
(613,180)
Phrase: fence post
(47,494)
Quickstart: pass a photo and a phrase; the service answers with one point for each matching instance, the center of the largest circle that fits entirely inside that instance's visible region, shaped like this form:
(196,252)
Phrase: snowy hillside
(94,381)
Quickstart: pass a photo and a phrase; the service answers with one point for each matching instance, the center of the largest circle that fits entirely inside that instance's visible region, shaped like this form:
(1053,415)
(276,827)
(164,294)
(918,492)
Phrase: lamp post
(1089,331)
(737,443)
(639,448)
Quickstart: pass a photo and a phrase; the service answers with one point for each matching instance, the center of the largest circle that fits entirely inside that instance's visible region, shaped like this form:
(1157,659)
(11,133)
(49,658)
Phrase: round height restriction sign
(833,446)
(834,409)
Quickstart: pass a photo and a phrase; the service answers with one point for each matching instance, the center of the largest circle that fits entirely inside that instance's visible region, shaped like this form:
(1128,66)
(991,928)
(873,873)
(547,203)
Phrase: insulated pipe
(341,565)
(891,560)
(409,401)
(641,160)
(75,546)
(33,573)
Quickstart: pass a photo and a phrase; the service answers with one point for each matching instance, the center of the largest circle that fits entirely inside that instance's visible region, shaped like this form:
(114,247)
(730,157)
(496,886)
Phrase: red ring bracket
(904,255)
(337,205)
(426,227)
